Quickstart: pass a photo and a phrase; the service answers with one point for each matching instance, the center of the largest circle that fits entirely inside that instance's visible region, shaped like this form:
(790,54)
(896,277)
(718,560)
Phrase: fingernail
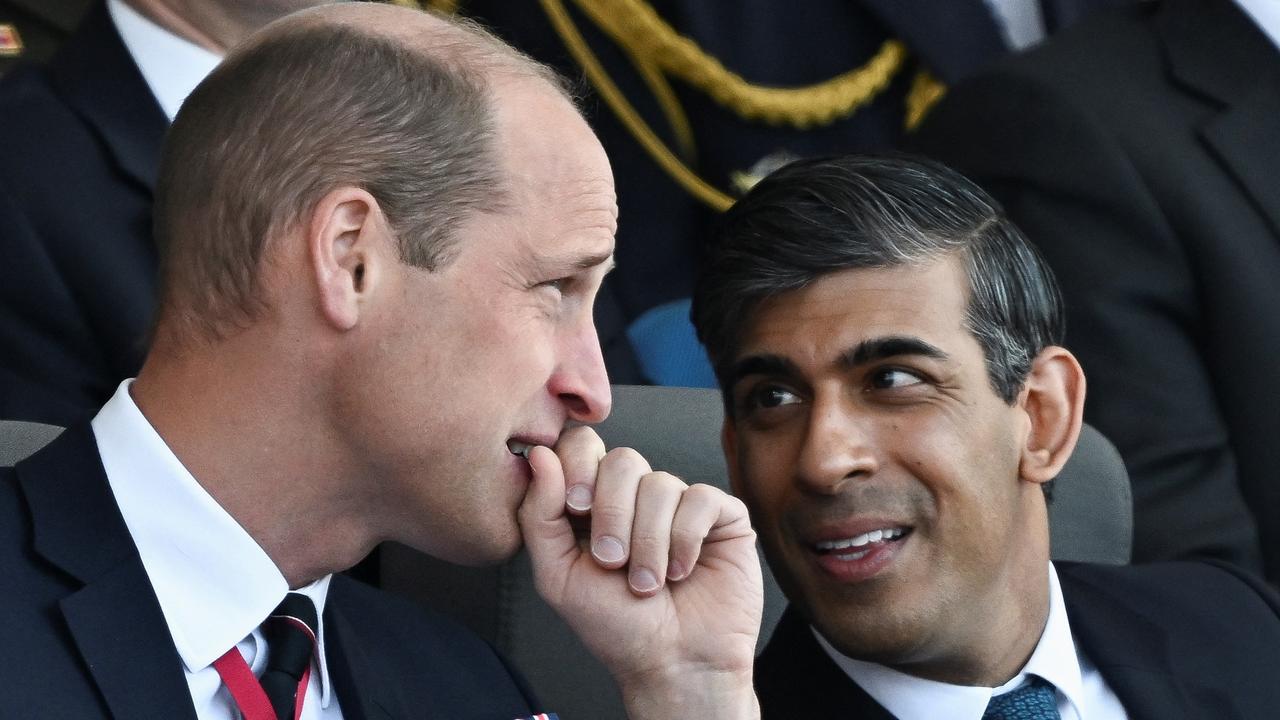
(578,498)
(643,580)
(608,550)
(675,571)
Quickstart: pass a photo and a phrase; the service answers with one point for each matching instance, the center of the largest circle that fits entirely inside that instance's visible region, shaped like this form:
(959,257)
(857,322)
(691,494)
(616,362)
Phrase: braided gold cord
(613,97)
(635,26)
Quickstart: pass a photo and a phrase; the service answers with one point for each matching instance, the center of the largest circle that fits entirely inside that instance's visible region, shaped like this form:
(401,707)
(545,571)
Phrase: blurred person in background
(1139,153)
(694,101)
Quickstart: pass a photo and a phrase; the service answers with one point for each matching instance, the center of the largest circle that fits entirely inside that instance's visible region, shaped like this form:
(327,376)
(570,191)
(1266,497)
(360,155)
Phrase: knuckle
(579,439)
(684,538)
(662,480)
(610,515)
(647,544)
(624,460)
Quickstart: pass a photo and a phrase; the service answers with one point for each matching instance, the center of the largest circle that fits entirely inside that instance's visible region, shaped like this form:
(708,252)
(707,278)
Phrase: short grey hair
(816,217)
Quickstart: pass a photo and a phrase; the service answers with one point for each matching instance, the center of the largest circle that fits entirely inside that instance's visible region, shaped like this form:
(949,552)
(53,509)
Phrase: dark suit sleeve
(51,370)
(1133,314)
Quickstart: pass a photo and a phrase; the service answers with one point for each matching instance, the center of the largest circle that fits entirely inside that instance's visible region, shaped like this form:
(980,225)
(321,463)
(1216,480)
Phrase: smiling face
(497,348)
(882,469)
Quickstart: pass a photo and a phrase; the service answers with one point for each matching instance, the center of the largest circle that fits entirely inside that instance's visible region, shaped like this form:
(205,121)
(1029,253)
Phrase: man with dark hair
(383,234)
(888,347)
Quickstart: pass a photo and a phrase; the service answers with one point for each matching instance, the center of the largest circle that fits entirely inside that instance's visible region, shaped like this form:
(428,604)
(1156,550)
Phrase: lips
(859,554)
(851,548)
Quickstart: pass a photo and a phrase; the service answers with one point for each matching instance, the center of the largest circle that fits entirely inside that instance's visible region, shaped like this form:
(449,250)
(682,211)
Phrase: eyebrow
(579,262)
(865,352)
(875,349)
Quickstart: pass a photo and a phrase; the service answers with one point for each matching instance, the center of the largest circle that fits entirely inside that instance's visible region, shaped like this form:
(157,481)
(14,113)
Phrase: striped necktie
(1035,700)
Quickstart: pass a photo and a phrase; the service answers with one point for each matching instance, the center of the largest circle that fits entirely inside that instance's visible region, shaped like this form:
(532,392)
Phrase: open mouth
(859,546)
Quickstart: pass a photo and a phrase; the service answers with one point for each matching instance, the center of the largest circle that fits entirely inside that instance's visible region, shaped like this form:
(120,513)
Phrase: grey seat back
(678,430)
(19,438)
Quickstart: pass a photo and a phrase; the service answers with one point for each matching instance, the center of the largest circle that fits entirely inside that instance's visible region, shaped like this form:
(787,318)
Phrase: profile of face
(496,349)
(883,473)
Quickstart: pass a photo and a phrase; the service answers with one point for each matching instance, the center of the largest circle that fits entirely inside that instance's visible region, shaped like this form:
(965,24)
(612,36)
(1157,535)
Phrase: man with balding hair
(383,235)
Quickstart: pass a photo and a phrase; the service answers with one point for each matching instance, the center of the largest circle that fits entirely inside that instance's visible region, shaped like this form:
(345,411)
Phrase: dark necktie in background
(291,640)
(1034,701)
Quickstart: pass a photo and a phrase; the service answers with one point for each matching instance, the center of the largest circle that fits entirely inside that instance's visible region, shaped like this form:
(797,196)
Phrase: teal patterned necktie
(1033,701)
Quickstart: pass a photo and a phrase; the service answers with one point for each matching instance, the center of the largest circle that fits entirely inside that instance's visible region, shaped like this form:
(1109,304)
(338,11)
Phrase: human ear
(346,239)
(1053,399)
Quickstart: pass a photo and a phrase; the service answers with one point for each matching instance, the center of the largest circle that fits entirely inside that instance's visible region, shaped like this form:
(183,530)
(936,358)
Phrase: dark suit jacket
(79,148)
(84,636)
(41,25)
(1140,153)
(80,144)
(1172,640)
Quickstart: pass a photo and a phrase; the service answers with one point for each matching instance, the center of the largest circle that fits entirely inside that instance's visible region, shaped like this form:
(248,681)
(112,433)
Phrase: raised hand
(666,590)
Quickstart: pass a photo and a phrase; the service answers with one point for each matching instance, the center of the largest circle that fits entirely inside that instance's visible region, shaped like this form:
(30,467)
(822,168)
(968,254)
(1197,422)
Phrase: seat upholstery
(678,430)
(19,439)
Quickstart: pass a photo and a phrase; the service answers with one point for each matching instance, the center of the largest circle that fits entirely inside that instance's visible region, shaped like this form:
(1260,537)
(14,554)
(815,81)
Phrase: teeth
(861,540)
(519,448)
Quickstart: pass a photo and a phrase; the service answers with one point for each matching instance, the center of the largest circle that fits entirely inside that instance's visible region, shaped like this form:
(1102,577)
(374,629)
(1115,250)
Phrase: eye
(769,396)
(558,284)
(890,378)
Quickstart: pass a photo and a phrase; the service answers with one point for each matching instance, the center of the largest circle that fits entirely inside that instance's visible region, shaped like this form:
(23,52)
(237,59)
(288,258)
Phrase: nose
(837,447)
(580,381)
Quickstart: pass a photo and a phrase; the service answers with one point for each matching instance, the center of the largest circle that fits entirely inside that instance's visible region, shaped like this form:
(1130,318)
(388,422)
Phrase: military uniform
(31,30)
(726,144)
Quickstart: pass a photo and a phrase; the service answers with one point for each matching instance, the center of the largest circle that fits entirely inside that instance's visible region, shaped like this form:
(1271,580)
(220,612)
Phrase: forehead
(816,323)
(557,177)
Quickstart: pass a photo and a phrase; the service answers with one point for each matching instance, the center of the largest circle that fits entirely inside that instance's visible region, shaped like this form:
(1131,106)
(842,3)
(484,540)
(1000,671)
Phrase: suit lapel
(99,80)
(796,678)
(363,691)
(1217,52)
(114,619)
(1131,653)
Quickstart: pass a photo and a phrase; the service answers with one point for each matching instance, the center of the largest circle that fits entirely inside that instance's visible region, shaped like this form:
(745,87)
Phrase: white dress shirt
(215,584)
(1081,691)
(1266,14)
(172,66)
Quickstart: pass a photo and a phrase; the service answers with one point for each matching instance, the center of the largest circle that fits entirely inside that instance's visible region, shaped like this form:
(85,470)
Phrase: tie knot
(291,635)
(1035,700)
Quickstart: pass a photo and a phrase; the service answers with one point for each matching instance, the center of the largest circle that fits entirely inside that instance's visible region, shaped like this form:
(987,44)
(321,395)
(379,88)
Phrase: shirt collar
(171,65)
(912,698)
(1266,15)
(214,583)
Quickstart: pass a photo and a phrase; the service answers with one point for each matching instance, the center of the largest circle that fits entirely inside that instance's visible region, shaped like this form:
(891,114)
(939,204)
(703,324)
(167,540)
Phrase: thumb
(543,522)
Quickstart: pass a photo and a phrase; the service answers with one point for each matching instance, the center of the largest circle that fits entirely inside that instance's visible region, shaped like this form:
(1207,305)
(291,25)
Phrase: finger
(614,507)
(704,512)
(543,522)
(656,501)
(580,450)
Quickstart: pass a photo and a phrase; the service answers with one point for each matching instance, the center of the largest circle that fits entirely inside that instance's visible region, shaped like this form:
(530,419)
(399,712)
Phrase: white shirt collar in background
(1266,14)
(215,584)
(1021,22)
(1081,691)
(172,66)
